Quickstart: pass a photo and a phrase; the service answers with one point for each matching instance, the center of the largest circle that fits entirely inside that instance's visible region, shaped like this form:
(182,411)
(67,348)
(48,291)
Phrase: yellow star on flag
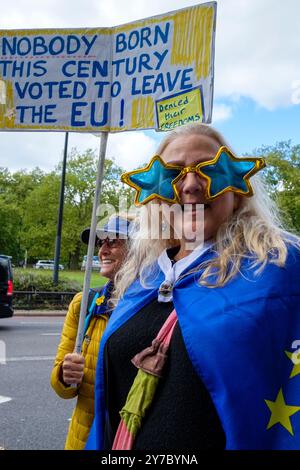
(280,412)
(296,368)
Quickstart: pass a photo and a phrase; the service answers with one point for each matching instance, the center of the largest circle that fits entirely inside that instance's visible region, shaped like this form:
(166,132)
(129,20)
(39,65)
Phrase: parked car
(95,265)
(6,287)
(47,264)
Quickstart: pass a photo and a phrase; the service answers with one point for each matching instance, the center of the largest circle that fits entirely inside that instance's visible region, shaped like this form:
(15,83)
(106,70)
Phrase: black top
(182,415)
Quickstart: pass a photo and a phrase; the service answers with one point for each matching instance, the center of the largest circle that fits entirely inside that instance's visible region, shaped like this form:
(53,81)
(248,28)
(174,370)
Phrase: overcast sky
(257,75)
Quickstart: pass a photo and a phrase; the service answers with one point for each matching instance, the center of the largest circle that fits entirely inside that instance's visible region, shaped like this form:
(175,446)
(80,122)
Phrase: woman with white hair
(199,351)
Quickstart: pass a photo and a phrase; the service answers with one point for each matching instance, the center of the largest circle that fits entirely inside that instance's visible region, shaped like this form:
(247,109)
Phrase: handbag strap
(150,363)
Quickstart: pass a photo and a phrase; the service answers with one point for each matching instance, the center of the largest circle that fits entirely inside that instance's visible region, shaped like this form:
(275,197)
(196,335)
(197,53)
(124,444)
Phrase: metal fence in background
(29,300)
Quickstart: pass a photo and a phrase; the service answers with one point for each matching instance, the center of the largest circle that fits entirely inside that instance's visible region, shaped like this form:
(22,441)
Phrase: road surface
(32,416)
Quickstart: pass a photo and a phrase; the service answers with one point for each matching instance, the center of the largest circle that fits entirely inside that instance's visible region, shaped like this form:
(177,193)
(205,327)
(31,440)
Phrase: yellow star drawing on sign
(296,368)
(280,412)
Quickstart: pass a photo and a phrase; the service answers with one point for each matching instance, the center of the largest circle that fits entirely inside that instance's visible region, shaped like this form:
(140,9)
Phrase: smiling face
(189,150)
(111,255)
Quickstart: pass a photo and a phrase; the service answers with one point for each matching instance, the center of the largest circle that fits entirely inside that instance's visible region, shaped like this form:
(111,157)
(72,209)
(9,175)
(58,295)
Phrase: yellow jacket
(83,413)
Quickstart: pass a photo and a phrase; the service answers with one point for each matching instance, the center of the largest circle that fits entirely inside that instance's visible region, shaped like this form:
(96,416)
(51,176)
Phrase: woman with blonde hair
(71,368)
(200,350)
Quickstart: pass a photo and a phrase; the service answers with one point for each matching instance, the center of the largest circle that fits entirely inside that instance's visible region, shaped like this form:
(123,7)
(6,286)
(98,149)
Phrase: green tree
(10,239)
(283,175)
(41,206)
(79,195)
(5,178)
(13,191)
(40,217)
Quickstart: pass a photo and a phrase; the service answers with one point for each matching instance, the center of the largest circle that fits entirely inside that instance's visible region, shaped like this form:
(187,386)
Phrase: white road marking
(50,334)
(4,399)
(41,322)
(30,358)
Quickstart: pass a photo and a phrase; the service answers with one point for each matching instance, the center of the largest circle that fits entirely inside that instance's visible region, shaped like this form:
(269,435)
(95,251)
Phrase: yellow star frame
(161,171)
(228,173)
(259,164)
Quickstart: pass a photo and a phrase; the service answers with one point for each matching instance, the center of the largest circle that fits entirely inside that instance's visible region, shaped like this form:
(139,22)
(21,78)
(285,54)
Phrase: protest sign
(152,73)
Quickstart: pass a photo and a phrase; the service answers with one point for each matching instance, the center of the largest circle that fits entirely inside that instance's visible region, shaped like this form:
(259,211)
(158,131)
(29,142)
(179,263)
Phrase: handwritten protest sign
(152,73)
(179,109)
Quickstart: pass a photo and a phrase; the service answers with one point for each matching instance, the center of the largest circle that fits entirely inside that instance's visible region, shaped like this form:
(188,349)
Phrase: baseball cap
(116,225)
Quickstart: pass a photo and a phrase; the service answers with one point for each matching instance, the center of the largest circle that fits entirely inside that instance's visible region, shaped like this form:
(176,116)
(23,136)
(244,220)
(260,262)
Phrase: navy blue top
(182,415)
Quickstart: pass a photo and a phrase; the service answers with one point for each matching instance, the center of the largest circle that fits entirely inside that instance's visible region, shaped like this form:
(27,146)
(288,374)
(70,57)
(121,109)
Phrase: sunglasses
(225,172)
(110,242)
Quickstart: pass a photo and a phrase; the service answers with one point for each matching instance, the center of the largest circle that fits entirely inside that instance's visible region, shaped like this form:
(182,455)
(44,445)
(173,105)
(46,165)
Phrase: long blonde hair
(255,230)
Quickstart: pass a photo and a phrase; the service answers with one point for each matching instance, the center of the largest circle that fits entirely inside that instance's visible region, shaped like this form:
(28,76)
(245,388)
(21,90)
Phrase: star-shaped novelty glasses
(153,181)
(223,173)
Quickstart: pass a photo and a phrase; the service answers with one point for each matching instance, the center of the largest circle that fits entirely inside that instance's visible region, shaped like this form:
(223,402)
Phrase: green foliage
(11,220)
(36,281)
(39,284)
(40,217)
(14,189)
(76,277)
(29,207)
(283,176)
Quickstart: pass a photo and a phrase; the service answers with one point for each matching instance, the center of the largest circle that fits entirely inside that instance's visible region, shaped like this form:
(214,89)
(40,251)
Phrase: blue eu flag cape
(242,341)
